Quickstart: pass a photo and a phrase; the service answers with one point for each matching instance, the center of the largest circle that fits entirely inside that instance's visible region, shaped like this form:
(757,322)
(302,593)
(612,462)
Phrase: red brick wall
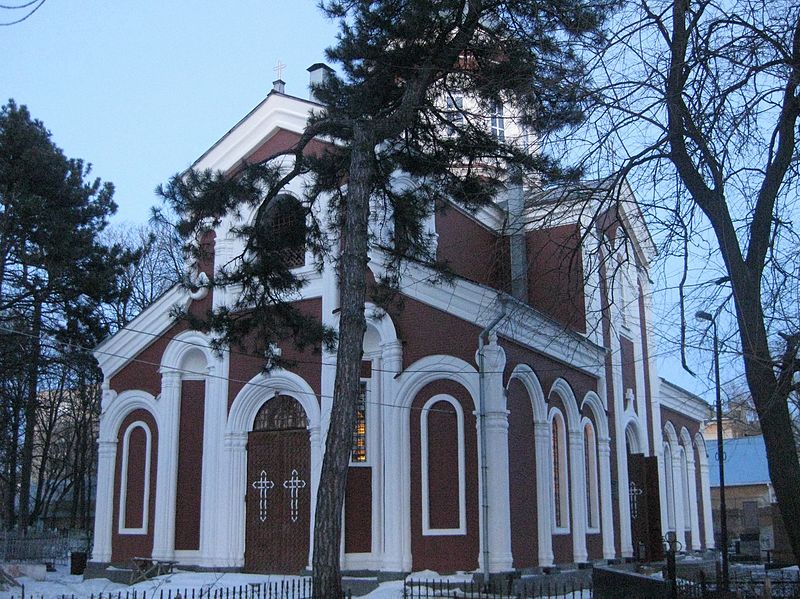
(190,465)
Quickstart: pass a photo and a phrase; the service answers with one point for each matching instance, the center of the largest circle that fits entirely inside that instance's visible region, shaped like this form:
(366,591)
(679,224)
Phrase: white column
(662,490)
(705,492)
(396,524)
(606,508)
(236,485)
(495,427)
(544,496)
(315,439)
(169,406)
(577,470)
(212,551)
(691,477)
(104,501)
(677,494)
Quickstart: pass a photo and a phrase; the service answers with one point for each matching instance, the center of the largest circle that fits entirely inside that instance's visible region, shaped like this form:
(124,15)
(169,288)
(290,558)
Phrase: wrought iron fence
(285,589)
(780,584)
(549,589)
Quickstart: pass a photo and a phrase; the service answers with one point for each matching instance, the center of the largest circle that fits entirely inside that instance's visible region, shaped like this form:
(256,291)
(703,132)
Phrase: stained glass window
(358,453)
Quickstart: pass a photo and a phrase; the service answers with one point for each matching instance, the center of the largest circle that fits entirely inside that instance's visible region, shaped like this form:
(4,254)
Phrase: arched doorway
(278,497)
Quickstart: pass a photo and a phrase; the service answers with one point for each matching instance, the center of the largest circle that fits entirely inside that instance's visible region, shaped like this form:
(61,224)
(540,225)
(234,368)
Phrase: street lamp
(723,515)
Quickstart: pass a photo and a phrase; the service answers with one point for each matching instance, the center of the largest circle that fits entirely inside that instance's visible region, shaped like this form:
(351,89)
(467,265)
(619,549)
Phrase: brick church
(512,419)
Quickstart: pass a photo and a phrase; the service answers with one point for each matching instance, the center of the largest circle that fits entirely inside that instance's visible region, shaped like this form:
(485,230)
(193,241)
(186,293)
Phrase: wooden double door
(278,501)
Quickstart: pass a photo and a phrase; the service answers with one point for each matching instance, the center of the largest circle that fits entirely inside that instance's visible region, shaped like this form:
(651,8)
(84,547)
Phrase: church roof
(745,461)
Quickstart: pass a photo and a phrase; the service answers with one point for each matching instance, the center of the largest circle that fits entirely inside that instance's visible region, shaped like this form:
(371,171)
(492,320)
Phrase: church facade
(509,420)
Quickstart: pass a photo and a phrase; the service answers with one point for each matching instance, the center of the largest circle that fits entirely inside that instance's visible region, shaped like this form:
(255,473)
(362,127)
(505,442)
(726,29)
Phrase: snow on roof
(745,461)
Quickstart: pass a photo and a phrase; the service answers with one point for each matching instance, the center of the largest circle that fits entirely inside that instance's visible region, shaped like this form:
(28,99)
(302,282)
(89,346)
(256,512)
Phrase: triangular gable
(120,349)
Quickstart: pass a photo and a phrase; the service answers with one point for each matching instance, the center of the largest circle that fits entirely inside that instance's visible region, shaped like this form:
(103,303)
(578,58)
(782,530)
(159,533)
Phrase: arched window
(560,472)
(279,414)
(670,487)
(590,462)
(281,231)
(687,503)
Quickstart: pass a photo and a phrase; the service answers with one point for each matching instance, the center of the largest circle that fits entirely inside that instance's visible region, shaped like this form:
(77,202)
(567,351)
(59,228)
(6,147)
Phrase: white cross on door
(294,484)
(262,485)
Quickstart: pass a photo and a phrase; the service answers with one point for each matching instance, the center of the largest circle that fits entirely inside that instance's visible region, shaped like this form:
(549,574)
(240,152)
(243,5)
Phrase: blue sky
(141,89)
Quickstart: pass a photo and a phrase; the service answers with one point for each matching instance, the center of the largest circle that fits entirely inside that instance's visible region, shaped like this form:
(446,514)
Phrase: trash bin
(77,562)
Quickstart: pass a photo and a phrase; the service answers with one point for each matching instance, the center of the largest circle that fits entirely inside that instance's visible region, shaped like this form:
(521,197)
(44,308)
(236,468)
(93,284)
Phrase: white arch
(633,433)
(528,378)
(564,391)
(672,435)
(686,441)
(435,368)
(555,417)
(595,404)
(119,409)
(264,387)
(592,469)
(182,344)
(381,321)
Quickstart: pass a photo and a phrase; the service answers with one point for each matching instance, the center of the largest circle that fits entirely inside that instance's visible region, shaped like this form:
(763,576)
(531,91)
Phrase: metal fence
(762,585)
(49,548)
(430,589)
(285,589)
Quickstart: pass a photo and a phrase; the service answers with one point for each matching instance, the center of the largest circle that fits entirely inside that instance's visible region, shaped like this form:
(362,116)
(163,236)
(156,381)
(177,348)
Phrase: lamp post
(723,515)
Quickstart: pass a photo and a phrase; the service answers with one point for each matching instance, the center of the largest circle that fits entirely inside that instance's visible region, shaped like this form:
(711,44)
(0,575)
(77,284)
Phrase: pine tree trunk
(352,325)
(31,405)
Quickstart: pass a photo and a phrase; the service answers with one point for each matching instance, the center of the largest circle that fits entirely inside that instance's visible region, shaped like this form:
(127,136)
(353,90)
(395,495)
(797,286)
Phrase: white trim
(592,483)
(462,491)
(123,480)
(563,471)
(682,401)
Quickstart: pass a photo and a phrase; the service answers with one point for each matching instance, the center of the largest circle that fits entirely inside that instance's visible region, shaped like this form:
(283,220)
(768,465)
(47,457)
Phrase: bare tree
(700,102)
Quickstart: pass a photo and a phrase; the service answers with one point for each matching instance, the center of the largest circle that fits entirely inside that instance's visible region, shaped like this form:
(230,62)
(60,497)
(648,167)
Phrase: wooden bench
(143,568)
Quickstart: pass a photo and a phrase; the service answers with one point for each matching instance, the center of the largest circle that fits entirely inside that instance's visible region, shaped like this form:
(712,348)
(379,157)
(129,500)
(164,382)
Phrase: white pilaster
(705,492)
(104,503)
(606,508)
(396,524)
(212,529)
(167,472)
(232,518)
(677,491)
(577,470)
(544,496)
(691,476)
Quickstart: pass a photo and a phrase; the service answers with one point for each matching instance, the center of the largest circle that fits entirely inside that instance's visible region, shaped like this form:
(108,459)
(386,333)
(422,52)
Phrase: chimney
(518,246)
(279,85)
(318,74)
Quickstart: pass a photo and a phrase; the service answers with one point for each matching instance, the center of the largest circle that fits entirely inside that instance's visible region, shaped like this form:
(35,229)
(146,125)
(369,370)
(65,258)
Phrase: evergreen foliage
(54,277)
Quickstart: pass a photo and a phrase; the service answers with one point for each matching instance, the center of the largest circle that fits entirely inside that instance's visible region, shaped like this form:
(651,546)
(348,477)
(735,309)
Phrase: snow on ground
(61,583)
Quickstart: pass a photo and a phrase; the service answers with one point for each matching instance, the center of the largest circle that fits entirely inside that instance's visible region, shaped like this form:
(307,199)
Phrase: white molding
(563,474)
(276,111)
(593,483)
(123,480)
(424,457)
(117,351)
(477,304)
(682,401)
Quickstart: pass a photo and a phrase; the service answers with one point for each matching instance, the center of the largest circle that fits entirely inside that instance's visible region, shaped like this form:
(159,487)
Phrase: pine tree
(54,273)
(421,85)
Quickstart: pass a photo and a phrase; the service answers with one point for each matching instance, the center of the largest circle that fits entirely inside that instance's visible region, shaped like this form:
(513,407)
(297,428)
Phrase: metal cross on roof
(279,66)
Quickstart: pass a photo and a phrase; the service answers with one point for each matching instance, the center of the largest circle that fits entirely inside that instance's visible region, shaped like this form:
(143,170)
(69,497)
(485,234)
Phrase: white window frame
(497,121)
(670,487)
(123,484)
(425,488)
(563,474)
(592,484)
